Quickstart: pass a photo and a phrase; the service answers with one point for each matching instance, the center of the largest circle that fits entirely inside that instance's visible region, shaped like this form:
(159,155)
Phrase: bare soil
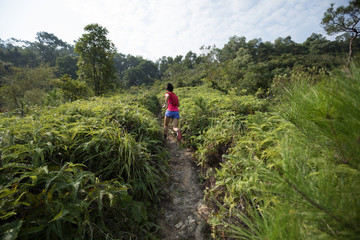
(182,213)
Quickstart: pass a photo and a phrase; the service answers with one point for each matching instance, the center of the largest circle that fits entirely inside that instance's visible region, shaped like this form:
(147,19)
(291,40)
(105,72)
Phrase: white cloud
(156,28)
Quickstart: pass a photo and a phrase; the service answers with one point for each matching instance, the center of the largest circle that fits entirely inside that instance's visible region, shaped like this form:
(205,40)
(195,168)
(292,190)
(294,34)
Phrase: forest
(274,126)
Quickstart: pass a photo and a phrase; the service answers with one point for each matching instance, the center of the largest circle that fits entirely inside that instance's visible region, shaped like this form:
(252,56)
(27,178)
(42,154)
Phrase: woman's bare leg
(175,124)
(166,123)
(176,128)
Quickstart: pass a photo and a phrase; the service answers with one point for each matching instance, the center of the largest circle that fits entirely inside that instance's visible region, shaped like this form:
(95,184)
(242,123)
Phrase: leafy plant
(71,89)
(294,175)
(203,108)
(48,203)
(42,154)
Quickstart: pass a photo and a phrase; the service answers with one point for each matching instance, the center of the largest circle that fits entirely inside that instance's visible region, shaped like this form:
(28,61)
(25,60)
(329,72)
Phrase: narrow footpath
(182,213)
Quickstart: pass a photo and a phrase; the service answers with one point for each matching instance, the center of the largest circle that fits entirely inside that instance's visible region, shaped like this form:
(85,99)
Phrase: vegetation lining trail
(274,126)
(181,213)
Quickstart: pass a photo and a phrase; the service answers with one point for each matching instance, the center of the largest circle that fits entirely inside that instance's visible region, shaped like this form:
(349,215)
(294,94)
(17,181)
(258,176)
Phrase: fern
(43,160)
(289,174)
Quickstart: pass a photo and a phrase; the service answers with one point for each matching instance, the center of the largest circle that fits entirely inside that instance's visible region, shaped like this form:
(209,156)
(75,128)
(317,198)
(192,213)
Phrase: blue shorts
(172,114)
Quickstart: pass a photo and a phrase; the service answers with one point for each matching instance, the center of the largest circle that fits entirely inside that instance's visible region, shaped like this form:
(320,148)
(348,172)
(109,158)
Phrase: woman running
(172,111)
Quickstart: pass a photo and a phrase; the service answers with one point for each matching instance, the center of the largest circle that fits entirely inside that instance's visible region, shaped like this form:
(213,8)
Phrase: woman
(172,111)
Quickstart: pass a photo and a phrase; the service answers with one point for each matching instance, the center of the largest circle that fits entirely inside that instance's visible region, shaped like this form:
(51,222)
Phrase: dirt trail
(181,214)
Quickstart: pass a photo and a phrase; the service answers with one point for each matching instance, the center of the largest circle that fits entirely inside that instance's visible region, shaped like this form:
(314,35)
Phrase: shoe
(178,134)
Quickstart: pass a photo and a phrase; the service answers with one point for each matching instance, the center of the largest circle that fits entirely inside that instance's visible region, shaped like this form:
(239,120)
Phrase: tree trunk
(96,90)
(350,48)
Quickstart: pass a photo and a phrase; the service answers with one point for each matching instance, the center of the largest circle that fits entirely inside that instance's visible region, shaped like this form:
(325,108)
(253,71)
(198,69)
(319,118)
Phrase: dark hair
(170,87)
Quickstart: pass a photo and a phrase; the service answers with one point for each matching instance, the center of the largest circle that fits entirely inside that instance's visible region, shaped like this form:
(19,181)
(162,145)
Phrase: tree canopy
(343,20)
(96,61)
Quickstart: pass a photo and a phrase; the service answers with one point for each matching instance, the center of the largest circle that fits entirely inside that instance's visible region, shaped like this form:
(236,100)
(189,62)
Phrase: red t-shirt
(173,102)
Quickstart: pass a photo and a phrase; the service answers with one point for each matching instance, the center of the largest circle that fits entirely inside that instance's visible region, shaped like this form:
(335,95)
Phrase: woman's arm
(166,100)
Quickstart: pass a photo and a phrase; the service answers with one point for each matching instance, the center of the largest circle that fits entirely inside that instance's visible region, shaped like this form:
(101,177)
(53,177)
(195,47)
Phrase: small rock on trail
(181,214)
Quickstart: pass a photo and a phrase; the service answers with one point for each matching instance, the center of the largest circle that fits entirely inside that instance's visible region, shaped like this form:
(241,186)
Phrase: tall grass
(203,107)
(290,174)
(45,203)
(119,142)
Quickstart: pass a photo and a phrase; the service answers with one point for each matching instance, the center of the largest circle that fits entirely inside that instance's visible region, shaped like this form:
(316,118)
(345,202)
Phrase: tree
(135,77)
(150,69)
(230,49)
(96,61)
(190,60)
(343,19)
(19,56)
(49,47)
(265,51)
(121,62)
(144,73)
(163,65)
(67,65)
(284,45)
(72,89)
(26,86)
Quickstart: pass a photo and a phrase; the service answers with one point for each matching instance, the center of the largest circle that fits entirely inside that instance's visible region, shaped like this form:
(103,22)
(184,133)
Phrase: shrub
(294,174)
(116,138)
(202,108)
(72,89)
(45,203)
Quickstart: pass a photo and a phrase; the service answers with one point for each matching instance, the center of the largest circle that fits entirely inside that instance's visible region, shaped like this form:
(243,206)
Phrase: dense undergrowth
(84,170)
(93,169)
(276,137)
(288,173)
(203,108)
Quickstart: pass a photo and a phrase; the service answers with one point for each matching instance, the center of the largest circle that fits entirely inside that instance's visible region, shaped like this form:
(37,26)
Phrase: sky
(156,28)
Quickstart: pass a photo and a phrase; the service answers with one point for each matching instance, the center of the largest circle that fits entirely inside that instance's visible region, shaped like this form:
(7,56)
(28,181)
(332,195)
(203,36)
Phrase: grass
(119,143)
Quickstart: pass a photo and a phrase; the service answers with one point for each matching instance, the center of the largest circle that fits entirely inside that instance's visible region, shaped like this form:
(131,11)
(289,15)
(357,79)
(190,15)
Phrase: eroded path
(182,213)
